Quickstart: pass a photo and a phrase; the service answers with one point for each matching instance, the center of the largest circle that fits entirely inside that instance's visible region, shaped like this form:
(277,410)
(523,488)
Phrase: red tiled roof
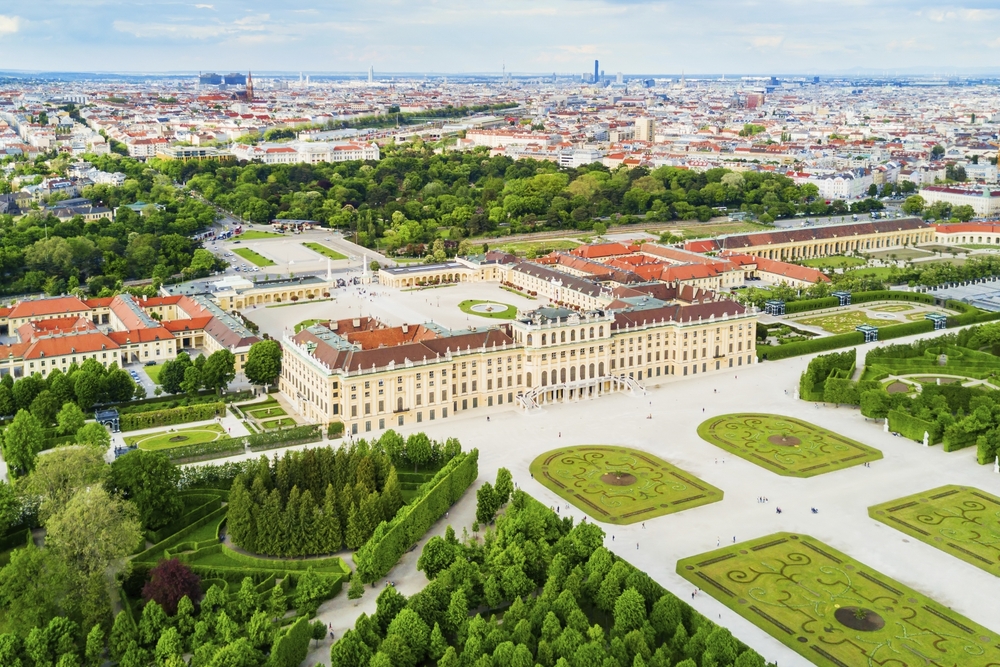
(141,335)
(53,306)
(57,346)
(187,324)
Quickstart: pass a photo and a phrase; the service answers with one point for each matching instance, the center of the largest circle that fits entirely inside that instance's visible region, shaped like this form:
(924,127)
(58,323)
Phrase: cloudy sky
(536,36)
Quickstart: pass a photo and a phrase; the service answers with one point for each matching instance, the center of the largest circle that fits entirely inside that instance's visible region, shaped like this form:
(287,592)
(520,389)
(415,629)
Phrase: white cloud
(766,41)
(9,24)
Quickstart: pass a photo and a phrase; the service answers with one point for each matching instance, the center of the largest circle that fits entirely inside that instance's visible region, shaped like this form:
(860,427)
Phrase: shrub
(914,428)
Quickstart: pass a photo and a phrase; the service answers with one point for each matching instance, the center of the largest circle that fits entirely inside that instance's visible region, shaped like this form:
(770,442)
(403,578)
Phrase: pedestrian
(718,542)
(612,538)
(703,409)
(644,525)
(734,539)
(636,546)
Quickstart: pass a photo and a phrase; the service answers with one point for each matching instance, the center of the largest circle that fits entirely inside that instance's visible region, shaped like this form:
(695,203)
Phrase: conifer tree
(392,495)
(292,544)
(277,603)
(309,542)
(333,535)
(355,528)
(269,524)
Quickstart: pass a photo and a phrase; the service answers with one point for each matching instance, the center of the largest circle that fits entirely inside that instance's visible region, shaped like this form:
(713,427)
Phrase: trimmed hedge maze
(835,611)
(619,485)
(785,446)
(959,520)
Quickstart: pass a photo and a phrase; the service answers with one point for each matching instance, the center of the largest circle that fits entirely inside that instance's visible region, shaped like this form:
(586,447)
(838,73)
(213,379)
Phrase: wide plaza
(513,439)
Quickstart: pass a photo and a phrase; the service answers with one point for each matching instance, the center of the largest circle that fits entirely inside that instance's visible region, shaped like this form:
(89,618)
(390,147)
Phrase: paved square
(785,445)
(836,611)
(959,520)
(620,485)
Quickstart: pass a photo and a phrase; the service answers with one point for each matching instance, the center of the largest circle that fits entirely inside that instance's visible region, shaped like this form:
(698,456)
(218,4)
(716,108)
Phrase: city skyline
(554,36)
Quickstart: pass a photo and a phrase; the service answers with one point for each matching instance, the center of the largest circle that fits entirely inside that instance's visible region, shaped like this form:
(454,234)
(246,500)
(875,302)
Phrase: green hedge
(211,503)
(891,295)
(335,430)
(812,382)
(172,416)
(206,450)
(956,439)
(286,437)
(153,404)
(153,554)
(810,346)
(14,539)
(392,539)
(811,304)
(914,428)
(291,648)
(908,329)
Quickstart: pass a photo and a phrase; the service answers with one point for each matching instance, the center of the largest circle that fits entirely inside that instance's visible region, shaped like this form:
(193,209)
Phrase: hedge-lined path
(230,424)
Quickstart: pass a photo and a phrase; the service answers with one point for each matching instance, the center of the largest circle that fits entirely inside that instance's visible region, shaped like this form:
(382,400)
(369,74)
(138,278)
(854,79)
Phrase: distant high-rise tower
(249,86)
(620,78)
(645,129)
(596,72)
(371,74)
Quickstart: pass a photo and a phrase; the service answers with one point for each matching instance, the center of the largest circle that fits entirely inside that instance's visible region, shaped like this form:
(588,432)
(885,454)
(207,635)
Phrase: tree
(914,205)
(219,370)
(937,151)
(192,381)
(45,408)
(963,212)
(319,631)
(413,631)
(356,589)
(169,582)
(630,611)
(94,531)
(94,651)
(486,503)
(263,365)
(149,480)
(172,373)
(95,435)
(22,441)
(437,555)
(63,472)
(312,588)
(873,190)
(504,487)
(246,599)
(10,507)
(418,450)
(32,586)
(70,419)
(277,604)
(169,644)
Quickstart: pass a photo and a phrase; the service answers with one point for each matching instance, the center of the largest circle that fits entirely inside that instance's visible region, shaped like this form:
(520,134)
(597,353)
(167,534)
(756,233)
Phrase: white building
(984,201)
(645,129)
(311,152)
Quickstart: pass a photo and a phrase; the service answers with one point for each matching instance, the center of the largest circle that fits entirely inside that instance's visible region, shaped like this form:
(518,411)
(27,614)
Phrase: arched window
(591,332)
(399,404)
(562,374)
(529,339)
(592,371)
(545,379)
(600,369)
(583,372)
(572,373)
(572,335)
(600,331)
(543,339)
(529,380)
(562,337)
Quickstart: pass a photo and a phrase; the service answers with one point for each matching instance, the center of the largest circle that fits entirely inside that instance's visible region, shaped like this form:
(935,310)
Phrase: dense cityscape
(278,348)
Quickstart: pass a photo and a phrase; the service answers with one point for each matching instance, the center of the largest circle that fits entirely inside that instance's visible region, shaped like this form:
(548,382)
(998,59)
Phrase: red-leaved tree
(168,582)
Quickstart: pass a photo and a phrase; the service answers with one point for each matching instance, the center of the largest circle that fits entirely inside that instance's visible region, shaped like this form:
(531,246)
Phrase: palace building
(372,376)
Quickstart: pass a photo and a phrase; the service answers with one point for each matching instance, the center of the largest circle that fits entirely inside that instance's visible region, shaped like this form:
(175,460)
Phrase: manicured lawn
(784,445)
(620,485)
(836,611)
(177,438)
(492,309)
(154,372)
(834,262)
(959,520)
(540,247)
(900,253)
(253,257)
(305,324)
(845,322)
(881,272)
(324,250)
(284,422)
(893,308)
(953,261)
(266,412)
(254,234)
(697,231)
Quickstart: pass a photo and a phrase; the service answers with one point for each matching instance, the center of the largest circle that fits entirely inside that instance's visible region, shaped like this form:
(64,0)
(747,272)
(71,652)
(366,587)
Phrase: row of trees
(214,372)
(86,385)
(571,602)
(917,205)
(313,502)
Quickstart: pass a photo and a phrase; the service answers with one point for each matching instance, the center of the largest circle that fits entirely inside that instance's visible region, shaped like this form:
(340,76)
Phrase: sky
(483,36)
